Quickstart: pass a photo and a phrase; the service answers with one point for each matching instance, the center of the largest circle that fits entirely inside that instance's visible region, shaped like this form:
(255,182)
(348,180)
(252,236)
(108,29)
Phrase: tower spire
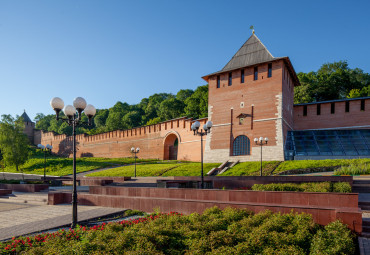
(252,27)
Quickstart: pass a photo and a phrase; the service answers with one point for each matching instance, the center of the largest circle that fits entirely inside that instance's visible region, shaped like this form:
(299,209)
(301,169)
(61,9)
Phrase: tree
(13,142)
(197,103)
(114,121)
(131,119)
(171,108)
(183,94)
(332,81)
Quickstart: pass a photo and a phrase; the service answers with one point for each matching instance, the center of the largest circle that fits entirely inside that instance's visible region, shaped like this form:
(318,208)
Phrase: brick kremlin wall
(153,141)
(355,118)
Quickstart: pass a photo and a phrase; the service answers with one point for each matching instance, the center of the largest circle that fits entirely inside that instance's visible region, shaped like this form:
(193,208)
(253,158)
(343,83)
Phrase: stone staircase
(39,198)
(361,185)
(365,227)
(222,168)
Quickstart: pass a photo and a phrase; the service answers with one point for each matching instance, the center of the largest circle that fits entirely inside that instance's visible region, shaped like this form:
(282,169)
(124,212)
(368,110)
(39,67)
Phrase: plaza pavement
(18,219)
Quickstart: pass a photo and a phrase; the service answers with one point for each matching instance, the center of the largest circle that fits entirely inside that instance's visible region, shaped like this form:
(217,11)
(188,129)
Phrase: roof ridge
(263,45)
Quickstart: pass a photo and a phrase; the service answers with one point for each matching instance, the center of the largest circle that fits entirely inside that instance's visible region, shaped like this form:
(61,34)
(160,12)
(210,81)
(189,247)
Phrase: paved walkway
(22,219)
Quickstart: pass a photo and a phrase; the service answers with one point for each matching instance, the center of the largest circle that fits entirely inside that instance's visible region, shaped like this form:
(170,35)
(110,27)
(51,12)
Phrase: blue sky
(109,51)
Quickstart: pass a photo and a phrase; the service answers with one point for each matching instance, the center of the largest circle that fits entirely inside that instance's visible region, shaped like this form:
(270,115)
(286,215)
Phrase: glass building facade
(327,143)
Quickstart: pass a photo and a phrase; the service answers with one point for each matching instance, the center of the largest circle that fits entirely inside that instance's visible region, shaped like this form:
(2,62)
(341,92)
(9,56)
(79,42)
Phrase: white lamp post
(206,129)
(73,119)
(135,151)
(261,141)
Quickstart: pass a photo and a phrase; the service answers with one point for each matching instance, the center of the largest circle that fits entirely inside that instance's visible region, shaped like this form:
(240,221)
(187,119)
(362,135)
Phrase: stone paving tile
(33,219)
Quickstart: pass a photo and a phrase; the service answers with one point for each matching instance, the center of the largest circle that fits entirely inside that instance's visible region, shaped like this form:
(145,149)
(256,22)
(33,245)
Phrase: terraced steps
(39,198)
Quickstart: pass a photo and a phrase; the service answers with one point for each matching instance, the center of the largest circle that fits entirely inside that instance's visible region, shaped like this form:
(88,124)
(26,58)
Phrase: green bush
(343,187)
(354,169)
(277,187)
(333,239)
(228,231)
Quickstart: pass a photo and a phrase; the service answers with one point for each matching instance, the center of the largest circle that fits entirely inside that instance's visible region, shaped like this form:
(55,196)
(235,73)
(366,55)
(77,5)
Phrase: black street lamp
(74,120)
(261,141)
(135,151)
(45,149)
(206,129)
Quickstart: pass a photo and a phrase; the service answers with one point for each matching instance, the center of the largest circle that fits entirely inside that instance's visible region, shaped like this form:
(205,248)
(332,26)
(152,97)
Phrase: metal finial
(252,27)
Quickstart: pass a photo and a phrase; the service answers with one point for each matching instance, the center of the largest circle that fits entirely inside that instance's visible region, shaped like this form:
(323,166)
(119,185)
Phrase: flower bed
(228,231)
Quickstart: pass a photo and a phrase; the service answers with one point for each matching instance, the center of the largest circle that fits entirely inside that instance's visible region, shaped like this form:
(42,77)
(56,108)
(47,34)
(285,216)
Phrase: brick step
(360,186)
(366,229)
(355,182)
(361,190)
(37,199)
(365,234)
(366,223)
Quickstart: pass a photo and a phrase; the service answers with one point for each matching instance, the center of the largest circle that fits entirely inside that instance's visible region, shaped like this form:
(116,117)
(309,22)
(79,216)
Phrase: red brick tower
(29,127)
(251,97)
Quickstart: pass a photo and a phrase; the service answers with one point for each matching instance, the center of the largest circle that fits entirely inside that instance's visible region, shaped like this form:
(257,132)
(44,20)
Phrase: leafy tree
(197,103)
(332,81)
(171,108)
(42,121)
(13,142)
(131,119)
(100,118)
(183,94)
(153,121)
(114,121)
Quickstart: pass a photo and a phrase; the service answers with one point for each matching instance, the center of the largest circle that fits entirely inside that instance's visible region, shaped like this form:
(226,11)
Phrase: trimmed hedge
(342,187)
(228,231)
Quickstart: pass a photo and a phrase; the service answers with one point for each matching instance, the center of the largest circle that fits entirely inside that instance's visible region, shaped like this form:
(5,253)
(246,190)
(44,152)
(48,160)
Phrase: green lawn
(251,168)
(155,169)
(158,169)
(63,166)
(328,163)
(191,169)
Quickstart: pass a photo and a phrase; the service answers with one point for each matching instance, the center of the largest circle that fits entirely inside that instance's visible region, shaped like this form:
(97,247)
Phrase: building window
(230,79)
(362,104)
(241,146)
(332,110)
(347,106)
(269,72)
(218,81)
(255,73)
(242,76)
(318,110)
(305,110)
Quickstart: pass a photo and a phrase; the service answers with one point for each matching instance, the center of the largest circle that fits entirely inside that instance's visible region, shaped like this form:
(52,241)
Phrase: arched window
(241,146)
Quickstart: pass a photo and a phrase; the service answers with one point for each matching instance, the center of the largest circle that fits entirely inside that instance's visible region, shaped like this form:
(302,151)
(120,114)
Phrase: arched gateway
(171,145)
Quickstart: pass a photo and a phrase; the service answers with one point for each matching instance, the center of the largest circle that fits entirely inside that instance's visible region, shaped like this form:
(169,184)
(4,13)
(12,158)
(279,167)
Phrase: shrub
(343,187)
(228,231)
(335,238)
(354,169)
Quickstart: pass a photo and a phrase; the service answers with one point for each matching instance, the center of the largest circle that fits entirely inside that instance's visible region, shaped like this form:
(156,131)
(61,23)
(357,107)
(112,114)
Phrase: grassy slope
(63,166)
(191,169)
(251,168)
(155,169)
(158,169)
(305,164)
